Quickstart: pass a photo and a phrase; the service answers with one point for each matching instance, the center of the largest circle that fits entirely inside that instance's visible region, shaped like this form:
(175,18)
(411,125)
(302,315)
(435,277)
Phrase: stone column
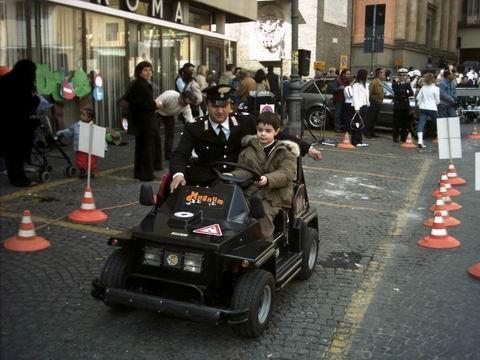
(400,19)
(412,21)
(444,27)
(422,22)
(220,20)
(452,41)
(437,25)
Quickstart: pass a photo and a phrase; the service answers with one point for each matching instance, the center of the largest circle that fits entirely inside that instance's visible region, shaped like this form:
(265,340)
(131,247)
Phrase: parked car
(320,109)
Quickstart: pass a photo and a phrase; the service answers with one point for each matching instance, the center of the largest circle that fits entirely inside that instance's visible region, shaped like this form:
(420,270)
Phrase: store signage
(155,6)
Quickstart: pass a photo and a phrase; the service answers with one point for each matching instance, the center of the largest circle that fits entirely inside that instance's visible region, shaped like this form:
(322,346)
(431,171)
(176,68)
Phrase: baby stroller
(45,144)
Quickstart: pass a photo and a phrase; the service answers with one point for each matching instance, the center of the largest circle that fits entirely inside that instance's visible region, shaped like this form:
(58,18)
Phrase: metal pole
(294,100)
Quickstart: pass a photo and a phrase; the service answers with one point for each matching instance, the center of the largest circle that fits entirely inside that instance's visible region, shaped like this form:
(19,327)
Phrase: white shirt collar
(225,124)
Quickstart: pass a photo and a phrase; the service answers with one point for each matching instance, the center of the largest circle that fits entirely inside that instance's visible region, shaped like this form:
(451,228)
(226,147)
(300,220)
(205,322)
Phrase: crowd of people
(357,106)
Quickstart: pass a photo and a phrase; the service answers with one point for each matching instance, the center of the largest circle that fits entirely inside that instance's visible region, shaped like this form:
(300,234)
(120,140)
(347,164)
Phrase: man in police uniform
(215,137)
(402,90)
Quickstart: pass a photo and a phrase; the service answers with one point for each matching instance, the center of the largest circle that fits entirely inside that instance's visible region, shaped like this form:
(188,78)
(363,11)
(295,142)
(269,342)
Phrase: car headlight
(153,256)
(193,262)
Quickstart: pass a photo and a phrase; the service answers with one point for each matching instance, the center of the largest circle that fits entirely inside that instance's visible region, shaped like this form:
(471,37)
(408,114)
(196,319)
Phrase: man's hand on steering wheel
(177,181)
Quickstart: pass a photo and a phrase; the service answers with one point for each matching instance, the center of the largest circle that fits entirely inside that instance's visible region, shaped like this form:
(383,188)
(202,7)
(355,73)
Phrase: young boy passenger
(276,160)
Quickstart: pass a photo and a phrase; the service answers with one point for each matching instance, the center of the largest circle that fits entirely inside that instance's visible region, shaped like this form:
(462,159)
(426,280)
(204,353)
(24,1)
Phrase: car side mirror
(147,197)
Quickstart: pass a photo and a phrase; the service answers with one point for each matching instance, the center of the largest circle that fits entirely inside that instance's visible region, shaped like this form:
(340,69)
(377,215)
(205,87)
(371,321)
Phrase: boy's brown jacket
(280,168)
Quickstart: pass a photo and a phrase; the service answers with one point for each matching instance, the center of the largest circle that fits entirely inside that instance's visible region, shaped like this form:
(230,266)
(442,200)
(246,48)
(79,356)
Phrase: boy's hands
(263,181)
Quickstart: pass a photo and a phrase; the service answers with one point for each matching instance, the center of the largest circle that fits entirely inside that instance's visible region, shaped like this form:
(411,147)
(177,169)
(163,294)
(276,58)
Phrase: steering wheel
(239,180)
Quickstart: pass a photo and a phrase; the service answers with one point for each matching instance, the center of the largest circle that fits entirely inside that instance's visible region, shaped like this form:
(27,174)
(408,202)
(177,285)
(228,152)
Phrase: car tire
(317,117)
(310,252)
(254,291)
(115,272)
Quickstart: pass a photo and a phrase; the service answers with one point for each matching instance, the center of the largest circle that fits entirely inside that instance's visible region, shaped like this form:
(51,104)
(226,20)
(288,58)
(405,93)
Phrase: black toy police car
(196,255)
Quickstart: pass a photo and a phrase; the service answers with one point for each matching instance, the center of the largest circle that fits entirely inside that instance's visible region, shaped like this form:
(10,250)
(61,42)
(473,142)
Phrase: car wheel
(70,171)
(44,176)
(254,291)
(318,117)
(310,252)
(115,272)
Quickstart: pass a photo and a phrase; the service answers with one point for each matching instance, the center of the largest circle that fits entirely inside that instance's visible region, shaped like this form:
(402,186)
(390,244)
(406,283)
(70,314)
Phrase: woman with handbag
(360,101)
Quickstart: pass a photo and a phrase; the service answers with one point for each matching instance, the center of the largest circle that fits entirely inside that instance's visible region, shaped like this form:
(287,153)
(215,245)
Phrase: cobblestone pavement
(375,293)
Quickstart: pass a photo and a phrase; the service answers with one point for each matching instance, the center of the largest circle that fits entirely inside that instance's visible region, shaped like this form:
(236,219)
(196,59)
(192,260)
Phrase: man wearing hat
(402,90)
(215,137)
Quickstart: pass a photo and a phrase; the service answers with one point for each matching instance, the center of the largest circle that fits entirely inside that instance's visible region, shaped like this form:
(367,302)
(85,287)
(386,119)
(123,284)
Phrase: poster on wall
(335,12)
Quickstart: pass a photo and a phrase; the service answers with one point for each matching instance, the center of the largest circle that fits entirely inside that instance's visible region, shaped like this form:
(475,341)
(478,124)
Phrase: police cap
(218,95)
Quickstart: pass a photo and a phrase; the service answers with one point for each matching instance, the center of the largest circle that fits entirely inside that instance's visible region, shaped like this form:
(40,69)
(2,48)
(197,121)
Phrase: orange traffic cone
(27,239)
(475,271)
(438,238)
(346,144)
(88,213)
(449,204)
(409,142)
(474,135)
(450,190)
(447,219)
(453,178)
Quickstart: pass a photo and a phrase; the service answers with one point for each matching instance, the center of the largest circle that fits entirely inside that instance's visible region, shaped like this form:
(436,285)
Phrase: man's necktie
(221,133)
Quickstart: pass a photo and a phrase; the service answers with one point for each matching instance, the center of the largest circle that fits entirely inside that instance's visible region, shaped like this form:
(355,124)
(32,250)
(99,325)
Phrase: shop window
(144,45)
(106,56)
(13,32)
(175,52)
(111,30)
(196,49)
(199,19)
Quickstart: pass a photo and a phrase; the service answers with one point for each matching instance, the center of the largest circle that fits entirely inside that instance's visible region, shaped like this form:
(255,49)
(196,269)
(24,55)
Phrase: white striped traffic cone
(88,213)
(447,219)
(453,178)
(27,239)
(438,238)
(450,190)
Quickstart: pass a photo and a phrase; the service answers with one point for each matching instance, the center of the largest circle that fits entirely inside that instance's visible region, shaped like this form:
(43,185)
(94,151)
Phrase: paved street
(375,293)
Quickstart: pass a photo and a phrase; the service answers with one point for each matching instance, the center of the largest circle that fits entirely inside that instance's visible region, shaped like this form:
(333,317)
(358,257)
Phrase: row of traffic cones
(27,240)
(439,238)
(409,143)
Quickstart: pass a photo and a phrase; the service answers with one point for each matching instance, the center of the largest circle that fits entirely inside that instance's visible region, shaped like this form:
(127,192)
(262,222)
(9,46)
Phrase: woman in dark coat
(143,123)
(18,100)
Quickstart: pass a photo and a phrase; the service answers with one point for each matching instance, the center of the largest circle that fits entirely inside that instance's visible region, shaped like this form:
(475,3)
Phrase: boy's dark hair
(90,113)
(269,118)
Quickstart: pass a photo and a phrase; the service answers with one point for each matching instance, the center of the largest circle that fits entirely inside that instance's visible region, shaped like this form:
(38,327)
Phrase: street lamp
(294,100)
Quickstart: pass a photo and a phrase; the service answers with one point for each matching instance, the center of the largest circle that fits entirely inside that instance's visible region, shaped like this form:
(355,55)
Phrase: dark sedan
(320,109)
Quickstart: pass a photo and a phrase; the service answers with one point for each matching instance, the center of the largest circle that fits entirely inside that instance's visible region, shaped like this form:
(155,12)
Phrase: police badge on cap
(218,95)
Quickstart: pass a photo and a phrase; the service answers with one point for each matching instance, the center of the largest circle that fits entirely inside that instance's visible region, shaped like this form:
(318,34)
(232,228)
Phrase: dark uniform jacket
(201,137)
(141,106)
(401,93)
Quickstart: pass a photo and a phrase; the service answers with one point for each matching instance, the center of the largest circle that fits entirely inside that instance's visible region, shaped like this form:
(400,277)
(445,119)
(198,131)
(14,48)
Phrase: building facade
(109,37)
(469,32)
(324,28)
(414,32)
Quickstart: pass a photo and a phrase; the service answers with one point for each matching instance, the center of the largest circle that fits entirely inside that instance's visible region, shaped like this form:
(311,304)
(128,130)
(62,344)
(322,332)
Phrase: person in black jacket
(402,90)
(214,137)
(18,101)
(143,123)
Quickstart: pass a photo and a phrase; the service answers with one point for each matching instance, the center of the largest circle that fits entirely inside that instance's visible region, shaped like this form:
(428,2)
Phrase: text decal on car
(196,198)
